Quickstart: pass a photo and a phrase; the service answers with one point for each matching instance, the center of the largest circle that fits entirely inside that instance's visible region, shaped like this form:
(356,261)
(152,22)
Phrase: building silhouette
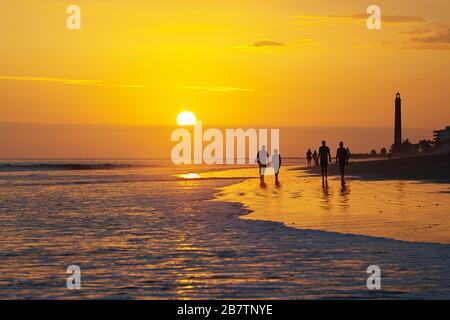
(440,144)
(400,146)
(442,140)
(398,122)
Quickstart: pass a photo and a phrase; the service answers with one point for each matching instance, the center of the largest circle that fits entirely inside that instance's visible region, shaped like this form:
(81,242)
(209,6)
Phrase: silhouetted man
(342,158)
(263,160)
(324,157)
(309,157)
(276,164)
(316,159)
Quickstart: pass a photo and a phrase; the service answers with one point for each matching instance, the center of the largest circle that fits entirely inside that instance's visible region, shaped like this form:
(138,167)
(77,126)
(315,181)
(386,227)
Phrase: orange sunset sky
(272,63)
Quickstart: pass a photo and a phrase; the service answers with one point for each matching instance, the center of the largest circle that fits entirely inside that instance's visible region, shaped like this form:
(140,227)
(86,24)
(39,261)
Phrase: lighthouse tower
(398,122)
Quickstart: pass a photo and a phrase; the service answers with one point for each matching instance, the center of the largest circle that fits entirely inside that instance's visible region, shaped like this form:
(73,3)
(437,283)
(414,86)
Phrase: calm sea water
(137,229)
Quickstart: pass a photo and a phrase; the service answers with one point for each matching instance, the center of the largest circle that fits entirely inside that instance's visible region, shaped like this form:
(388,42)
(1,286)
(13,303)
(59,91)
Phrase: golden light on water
(186,118)
(189,176)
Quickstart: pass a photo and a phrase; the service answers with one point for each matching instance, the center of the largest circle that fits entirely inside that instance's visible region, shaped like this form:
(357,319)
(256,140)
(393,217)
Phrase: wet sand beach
(403,209)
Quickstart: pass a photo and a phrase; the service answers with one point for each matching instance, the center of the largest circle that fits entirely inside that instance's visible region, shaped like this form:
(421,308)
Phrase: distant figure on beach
(342,158)
(316,158)
(309,157)
(276,164)
(348,153)
(325,157)
(263,160)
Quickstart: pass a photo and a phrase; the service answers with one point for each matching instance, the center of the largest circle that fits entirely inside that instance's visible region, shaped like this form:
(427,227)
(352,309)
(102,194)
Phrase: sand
(374,205)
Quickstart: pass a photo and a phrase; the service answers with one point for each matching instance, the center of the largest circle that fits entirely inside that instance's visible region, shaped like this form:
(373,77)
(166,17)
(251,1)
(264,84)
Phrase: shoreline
(432,168)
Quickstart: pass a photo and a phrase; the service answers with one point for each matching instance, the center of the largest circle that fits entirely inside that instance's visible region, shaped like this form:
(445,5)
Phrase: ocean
(145,229)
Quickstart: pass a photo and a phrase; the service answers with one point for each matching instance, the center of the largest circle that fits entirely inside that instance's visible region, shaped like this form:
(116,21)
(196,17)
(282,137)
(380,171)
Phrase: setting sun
(186,118)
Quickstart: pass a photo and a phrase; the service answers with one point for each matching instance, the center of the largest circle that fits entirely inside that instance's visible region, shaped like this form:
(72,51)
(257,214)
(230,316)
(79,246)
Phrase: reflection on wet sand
(402,210)
(326,195)
(344,196)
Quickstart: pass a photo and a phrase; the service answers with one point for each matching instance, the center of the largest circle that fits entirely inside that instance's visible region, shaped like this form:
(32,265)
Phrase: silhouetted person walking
(324,157)
(342,156)
(309,157)
(263,160)
(316,158)
(276,164)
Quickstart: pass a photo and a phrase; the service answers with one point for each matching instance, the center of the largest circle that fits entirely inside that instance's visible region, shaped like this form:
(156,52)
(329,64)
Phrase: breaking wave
(66,166)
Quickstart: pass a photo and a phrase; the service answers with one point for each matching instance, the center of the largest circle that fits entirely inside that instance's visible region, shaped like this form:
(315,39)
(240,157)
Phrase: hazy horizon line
(231,126)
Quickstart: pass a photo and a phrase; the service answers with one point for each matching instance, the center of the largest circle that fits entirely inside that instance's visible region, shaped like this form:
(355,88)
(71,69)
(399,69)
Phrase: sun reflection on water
(191,175)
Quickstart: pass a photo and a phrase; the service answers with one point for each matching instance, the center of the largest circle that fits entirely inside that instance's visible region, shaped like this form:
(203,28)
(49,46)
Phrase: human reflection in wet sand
(345,190)
(262,184)
(326,196)
(344,195)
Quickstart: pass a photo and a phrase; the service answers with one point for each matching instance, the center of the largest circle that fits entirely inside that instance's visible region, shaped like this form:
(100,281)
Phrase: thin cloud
(433,37)
(217,89)
(436,37)
(428,47)
(394,18)
(70,81)
(371,46)
(310,19)
(267,44)
(264,43)
(113,84)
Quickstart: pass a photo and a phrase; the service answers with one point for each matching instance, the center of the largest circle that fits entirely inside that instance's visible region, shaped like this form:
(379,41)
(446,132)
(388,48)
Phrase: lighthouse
(398,122)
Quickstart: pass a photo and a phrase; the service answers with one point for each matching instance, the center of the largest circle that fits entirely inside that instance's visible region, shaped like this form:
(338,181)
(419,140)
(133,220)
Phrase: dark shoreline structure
(433,168)
(439,145)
